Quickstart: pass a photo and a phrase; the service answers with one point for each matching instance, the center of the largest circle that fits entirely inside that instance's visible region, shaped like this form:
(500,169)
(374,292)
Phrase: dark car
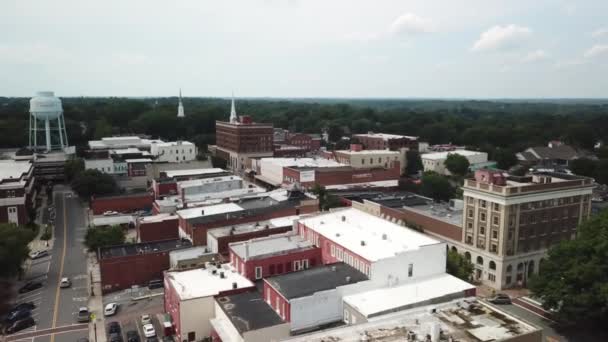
(28,305)
(18,315)
(168,339)
(20,325)
(30,286)
(132,336)
(500,298)
(115,337)
(155,284)
(152,339)
(114,328)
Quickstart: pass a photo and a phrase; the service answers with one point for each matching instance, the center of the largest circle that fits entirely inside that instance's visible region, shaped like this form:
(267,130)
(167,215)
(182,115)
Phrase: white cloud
(36,53)
(569,63)
(596,50)
(502,38)
(535,56)
(410,23)
(600,32)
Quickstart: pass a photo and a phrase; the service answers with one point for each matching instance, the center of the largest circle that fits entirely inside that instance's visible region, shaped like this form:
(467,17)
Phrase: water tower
(47,123)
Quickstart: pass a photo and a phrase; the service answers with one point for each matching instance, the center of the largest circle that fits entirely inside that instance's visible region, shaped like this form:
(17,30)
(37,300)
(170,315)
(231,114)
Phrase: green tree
(414,162)
(101,237)
(436,187)
(459,266)
(584,167)
(14,248)
(504,158)
(218,162)
(102,128)
(573,280)
(601,171)
(326,199)
(458,165)
(94,183)
(73,167)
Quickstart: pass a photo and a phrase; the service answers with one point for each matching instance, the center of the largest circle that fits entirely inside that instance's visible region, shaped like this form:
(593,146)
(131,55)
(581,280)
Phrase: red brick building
(326,176)
(166,184)
(16,191)
(135,264)
(122,203)
(381,141)
(273,255)
(157,227)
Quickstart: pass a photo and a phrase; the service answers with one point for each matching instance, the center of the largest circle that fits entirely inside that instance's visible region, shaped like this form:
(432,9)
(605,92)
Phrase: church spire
(180,106)
(233,117)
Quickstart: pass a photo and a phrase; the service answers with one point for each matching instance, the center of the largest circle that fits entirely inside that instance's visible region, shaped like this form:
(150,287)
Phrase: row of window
(343,255)
(279,306)
(297,265)
(550,203)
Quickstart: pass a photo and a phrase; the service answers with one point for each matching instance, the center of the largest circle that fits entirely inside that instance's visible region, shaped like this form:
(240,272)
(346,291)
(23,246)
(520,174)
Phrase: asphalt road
(56,307)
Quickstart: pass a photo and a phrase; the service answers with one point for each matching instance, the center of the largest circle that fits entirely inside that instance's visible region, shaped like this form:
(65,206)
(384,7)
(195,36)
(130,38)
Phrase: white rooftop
(173,143)
(378,184)
(392,298)
(250,227)
(365,152)
(209,210)
(139,160)
(270,245)
(302,162)
(188,253)
(383,239)
(200,282)
(157,218)
(112,220)
(192,172)
(126,150)
(444,155)
(198,182)
(387,136)
(117,142)
(10,169)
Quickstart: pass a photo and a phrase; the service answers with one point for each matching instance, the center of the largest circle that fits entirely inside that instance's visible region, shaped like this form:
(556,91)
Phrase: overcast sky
(305,48)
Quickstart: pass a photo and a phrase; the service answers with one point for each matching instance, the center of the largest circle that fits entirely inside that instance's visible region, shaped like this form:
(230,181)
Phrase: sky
(306,48)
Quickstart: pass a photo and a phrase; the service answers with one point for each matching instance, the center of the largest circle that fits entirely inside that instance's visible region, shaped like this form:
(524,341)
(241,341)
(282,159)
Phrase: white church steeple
(233,117)
(180,106)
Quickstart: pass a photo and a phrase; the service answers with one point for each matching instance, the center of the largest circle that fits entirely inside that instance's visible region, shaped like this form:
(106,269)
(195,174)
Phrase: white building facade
(174,152)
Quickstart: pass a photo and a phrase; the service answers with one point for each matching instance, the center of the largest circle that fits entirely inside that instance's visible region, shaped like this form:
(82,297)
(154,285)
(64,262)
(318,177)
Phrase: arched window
(492,265)
(520,267)
(454,249)
(479,260)
(467,255)
(509,269)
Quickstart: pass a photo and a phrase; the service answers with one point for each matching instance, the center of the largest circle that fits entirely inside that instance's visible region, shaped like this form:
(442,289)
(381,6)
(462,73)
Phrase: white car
(110,309)
(149,330)
(65,283)
(146,319)
(110,213)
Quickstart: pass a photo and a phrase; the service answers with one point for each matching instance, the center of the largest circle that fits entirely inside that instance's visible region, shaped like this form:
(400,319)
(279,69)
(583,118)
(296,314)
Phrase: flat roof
(13,170)
(383,239)
(158,218)
(248,311)
(244,228)
(192,172)
(444,155)
(386,136)
(391,299)
(302,162)
(209,210)
(127,150)
(142,248)
(139,160)
(112,220)
(202,282)
(387,152)
(172,143)
(189,253)
(466,320)
(377,184)
(307,282)
(270,245)
(439,211)
(198,182)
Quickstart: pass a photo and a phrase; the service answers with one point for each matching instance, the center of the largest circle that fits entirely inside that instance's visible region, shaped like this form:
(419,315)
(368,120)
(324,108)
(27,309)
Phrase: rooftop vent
(384,237)
(234,286)
(202,212)
(347,279)
(343,218)
(362,242)
(222,275)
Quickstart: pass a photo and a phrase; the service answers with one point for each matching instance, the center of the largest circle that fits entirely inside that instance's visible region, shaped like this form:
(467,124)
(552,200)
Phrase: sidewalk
(97,324)
(37,244)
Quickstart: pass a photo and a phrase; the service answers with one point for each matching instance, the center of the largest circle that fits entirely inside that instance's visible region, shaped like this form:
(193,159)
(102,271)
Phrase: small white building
(189,297)
(105,165)
(109,143)
(435,161)
(368,158)
(174,151)
(208,185)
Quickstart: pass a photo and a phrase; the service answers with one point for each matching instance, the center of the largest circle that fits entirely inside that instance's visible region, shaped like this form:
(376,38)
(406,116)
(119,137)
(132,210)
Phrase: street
(56,308)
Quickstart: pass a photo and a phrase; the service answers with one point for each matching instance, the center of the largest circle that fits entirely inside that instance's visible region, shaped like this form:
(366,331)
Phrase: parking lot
(130,311)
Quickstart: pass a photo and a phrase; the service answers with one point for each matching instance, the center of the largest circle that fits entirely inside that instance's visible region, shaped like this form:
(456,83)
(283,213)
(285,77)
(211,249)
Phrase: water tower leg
(30,133)
(60,131)
(35,133)
(47,131)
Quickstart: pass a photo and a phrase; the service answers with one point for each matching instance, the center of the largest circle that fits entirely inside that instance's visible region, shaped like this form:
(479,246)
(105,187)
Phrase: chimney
(246,250)
(384,237)
(222,275)
(362,242)
(234,285)
(203,212)
(343,218)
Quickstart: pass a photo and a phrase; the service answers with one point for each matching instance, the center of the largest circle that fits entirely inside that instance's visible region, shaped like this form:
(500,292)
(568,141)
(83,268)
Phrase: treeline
(489,125)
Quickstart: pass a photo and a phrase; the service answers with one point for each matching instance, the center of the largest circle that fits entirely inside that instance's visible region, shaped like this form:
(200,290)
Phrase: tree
(436,187)
(218,162)
(14,248)
(601,171)
(102,128)
(326,199)
(101,237)
(584,167)
(414,162)
(73,167)
(458,165)
(504,158)
(459,266)
(94,183)
(573,280)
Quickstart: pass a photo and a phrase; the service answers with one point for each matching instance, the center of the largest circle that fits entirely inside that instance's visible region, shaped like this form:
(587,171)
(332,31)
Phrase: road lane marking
(58,291)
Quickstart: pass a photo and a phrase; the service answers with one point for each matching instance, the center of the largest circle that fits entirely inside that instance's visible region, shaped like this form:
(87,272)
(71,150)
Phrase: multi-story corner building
(240,139)
(382,141)
(16,191)
(509,223)
(174,151)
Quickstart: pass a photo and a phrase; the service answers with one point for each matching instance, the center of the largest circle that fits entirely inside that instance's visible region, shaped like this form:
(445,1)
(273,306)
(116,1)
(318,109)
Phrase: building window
(469,239)
(469,225)
(258,272)
(492,265)
(496,206)
(494,248)
(482,203)
(494,234)
(482,217)
(495,220)
(470,213)
(278,305)
(296,265)
(410,270)
(491,277)
(333,249)
(305,263)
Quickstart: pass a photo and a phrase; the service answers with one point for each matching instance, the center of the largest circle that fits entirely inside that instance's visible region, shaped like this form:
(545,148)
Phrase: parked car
(500,298)
(83,315)
(110,309)
(132,336)
(114,328)
(115,337)
(65,283)
(20,325)
(18,315)
(152,339)
(39,254)
(155,284)
(27,305)
(30,286)
(167,339)
(146,319)
(149,330)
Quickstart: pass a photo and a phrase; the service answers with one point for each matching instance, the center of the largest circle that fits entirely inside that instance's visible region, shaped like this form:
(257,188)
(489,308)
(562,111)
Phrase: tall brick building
(240,139)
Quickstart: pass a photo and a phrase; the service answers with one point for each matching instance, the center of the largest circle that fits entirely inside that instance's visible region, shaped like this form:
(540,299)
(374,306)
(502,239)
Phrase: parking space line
(32,295)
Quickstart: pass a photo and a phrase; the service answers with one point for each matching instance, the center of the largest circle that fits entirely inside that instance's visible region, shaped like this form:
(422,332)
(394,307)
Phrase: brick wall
(276,264)
(277,301)
(344,176)
(428,224)
(21,213)
(126,203)
(223,242)
(155,231)
(120,273)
